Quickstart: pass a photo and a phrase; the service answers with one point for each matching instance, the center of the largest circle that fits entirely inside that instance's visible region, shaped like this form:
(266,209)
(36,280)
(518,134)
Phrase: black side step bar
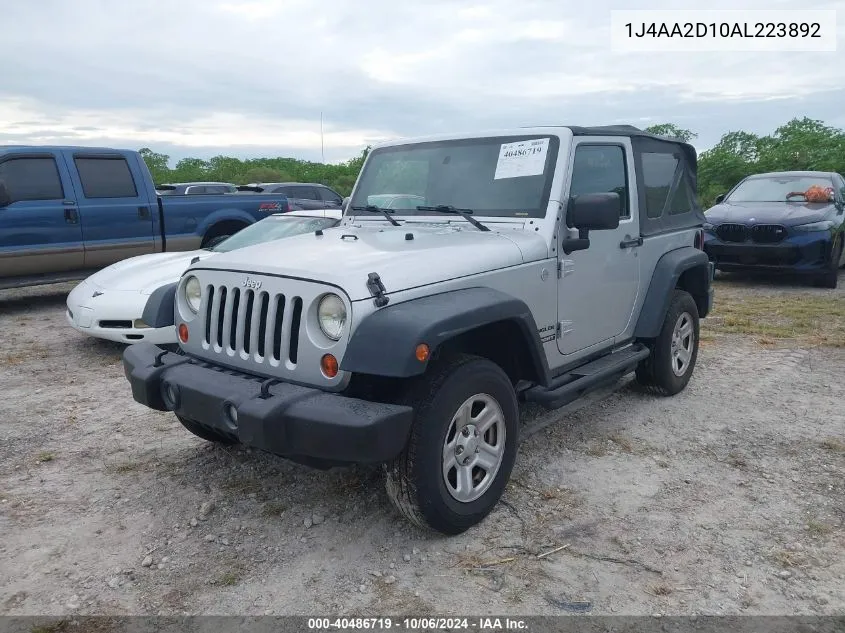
(575,383)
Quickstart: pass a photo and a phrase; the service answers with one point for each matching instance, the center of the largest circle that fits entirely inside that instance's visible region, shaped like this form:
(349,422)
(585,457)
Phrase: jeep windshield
(508,176)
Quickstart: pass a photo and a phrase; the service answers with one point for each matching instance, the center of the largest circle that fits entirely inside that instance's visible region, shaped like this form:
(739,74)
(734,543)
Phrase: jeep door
(598,286)
(40,231)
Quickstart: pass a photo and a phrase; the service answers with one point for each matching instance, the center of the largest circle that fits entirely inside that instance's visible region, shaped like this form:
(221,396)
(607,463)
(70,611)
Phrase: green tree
(672,131)
(156,163)
(799,144)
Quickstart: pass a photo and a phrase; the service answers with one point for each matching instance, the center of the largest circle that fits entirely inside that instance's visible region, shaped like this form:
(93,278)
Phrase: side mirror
(594,212)
(5,196)
(344,204)
(591,212)
(720,198)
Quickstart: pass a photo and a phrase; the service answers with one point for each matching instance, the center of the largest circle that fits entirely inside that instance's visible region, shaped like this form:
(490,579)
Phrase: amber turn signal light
(183,332)
(422,352)
(328,364)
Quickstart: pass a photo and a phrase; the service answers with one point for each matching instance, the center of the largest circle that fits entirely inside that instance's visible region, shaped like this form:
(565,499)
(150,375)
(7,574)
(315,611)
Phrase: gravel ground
(726,499)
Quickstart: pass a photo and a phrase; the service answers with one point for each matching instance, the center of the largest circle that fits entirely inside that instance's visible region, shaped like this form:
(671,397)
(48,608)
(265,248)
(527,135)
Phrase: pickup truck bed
(68,211)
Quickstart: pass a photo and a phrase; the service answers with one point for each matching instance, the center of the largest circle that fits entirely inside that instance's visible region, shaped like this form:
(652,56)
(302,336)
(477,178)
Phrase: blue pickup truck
(68,211)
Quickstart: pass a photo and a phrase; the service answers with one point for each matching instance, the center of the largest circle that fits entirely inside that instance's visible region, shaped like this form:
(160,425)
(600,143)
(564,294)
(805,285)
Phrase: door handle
(143,213)
(71,216)
(68,203)
(631,243)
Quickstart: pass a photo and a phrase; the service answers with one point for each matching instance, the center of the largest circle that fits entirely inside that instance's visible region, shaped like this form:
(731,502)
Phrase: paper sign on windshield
(523,158)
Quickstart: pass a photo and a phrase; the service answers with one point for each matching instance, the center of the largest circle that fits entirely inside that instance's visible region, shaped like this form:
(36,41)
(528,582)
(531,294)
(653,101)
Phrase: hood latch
(377,289)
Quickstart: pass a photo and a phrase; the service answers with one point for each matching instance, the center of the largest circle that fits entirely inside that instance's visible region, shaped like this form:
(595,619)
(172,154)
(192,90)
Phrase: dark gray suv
(304,195)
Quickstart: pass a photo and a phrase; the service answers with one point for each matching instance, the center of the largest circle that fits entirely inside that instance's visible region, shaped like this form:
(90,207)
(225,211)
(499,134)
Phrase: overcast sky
(250,78)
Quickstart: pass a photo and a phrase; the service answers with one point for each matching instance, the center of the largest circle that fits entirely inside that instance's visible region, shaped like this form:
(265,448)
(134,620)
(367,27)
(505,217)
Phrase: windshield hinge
(565,267)
(377,289)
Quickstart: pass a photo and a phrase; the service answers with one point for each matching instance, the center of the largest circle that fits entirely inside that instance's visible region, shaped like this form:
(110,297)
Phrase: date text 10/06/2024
(418,624)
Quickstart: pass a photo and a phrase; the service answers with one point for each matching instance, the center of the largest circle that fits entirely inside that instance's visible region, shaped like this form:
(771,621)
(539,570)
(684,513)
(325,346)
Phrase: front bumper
(288,420)
(796,254)
(111,315)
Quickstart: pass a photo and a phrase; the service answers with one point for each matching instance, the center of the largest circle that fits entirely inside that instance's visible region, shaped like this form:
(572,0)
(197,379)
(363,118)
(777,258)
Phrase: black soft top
(654,218)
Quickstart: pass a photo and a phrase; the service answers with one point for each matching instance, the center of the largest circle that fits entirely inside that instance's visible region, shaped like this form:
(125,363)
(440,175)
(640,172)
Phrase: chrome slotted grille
(258,325)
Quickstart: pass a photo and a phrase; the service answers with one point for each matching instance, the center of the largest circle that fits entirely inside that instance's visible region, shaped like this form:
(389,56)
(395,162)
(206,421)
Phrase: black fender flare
(383,344)
(667,272)
(160,308)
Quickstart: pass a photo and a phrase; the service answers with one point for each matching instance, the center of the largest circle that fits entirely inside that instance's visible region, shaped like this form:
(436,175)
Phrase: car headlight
(331,314)
(193,294)
(708,227)
(812,227)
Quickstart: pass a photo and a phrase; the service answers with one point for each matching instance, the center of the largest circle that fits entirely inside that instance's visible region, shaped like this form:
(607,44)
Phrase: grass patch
(229,579)
(273,509)
(121,468)
(13,359)
(818,528)
(597,448)
(661,590)
(786,558)
(808,319)
(833,444)
(45,456)
(243,486)
(626,445)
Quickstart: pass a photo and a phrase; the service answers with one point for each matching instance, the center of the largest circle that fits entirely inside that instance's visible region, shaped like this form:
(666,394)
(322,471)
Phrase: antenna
(322,146)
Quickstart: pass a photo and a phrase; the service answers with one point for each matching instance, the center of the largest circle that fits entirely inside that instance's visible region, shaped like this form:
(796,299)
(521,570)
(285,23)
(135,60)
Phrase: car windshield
(272,228)
(776,188)
(497,176)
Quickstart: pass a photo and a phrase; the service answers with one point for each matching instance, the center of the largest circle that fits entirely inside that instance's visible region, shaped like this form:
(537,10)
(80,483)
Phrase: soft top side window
(658,175)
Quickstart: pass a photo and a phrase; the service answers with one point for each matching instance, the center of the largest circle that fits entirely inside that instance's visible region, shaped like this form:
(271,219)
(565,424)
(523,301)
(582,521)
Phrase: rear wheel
(207,433)
(669,367)
(462,446)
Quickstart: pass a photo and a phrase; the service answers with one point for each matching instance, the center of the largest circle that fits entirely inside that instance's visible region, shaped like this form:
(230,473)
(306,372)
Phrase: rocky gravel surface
(726,499)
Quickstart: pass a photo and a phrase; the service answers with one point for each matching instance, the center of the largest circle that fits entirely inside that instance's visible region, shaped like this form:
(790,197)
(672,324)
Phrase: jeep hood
(785,213)
(344,256)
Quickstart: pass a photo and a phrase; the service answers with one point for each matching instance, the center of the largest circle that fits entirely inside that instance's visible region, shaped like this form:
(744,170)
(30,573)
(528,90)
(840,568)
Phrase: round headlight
(331,313)
(193,294)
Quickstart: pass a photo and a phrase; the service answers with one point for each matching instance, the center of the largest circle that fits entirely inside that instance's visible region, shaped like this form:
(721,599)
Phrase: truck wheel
(462,446)
(206,433)
(669,367)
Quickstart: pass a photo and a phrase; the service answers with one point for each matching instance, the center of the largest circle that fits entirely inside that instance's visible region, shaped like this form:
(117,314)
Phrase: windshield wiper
(370,208)
(465,213)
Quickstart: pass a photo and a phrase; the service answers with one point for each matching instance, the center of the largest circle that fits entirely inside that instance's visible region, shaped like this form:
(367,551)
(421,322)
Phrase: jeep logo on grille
(251,283)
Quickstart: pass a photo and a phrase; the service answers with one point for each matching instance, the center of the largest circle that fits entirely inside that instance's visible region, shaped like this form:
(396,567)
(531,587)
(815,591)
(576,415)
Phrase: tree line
(800,144)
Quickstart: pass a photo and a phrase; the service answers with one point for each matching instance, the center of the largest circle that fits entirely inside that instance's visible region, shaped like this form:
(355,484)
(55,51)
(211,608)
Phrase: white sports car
(109,304)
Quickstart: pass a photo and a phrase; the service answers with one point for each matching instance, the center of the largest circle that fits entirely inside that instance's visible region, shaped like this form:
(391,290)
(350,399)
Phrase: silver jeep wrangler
(469,273)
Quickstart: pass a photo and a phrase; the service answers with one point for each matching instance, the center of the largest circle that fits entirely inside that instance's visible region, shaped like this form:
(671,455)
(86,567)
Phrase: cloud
(199,77)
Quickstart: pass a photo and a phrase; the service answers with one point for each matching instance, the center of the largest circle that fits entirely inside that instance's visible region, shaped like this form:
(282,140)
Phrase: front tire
(669,367)
(206,433)
(462,445)
(830,277)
